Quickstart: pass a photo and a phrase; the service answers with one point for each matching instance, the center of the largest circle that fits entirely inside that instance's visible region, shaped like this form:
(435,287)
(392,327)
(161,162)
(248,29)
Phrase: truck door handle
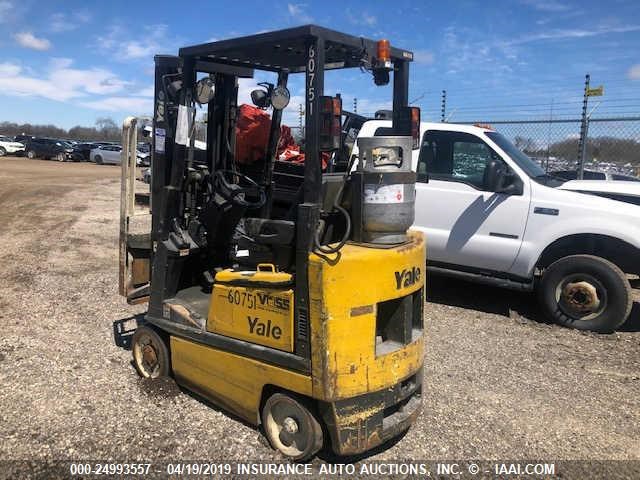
(502,235)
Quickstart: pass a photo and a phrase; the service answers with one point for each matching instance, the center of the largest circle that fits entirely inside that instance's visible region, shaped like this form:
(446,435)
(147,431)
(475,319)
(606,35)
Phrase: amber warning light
(384,53)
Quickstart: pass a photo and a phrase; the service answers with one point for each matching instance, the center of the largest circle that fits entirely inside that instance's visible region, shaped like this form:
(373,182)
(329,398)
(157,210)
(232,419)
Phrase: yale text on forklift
(407,277)
(263,329)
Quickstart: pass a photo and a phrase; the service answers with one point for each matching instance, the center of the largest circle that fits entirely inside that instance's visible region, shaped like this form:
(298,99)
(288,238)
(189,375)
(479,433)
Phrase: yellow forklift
(291,297)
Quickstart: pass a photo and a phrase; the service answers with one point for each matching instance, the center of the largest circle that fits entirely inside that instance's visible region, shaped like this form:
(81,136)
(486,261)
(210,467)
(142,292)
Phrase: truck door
(466,224)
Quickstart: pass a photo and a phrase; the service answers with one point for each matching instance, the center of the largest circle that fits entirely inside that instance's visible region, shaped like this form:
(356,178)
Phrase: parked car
(492,215)
(83,149)
(47,148)
(144,154)
(22,138)
(593,175)
(106,154)
(8,145)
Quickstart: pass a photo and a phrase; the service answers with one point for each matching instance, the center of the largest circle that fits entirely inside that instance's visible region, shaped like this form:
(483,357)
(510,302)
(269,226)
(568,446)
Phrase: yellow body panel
(343,300)
(231,380)
(258,315)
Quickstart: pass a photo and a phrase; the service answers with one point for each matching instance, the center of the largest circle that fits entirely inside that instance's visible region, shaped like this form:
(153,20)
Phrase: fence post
(584,127)
(444,106)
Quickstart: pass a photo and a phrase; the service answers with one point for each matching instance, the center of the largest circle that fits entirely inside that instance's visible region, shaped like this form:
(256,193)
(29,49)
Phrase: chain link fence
(613,144)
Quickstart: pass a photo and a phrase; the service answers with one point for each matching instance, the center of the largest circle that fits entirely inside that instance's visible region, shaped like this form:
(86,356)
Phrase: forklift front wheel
(150,353)
(291,427)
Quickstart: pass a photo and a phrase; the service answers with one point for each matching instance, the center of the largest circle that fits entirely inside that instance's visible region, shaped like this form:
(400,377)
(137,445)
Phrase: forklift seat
(266,241)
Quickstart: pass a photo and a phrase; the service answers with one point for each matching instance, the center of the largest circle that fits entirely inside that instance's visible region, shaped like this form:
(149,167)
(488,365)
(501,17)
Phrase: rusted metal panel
(360,423)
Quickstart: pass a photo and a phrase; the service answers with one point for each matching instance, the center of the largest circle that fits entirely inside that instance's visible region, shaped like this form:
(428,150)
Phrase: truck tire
(31,154)
(586,292)
(3,152)
(291,427)
(150,353)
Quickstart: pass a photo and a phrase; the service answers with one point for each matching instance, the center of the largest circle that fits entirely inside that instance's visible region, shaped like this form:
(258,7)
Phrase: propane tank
(388,188)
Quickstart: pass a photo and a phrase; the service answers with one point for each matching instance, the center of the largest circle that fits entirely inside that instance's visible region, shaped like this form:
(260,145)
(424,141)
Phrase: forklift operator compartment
(289,292)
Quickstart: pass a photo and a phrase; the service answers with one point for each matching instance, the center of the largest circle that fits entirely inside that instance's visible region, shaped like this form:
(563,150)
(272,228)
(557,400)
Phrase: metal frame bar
(250,41)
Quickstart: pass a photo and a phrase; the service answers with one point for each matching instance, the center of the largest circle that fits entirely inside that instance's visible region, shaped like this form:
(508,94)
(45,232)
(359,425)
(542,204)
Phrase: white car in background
(8,145)
(106,154)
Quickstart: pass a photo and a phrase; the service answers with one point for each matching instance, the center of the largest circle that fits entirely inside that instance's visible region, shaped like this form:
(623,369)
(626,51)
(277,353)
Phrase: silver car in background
(106,154)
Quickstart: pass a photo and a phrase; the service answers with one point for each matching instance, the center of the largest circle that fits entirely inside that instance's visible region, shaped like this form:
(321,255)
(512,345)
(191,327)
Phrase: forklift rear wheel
(291,427)
(150,353)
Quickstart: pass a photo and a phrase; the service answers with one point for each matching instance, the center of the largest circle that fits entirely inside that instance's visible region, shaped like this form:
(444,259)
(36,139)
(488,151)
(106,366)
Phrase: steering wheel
(235,191)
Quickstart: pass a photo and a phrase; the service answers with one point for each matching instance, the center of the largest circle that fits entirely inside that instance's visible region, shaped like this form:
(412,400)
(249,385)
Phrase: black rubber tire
(611,278)
(31,154)
(3,152)
(98,159)
(159,343)
(304,416)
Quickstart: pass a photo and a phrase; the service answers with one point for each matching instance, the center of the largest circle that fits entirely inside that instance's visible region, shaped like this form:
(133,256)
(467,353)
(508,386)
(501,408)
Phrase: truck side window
(469,162)
(454,156)
(435,157)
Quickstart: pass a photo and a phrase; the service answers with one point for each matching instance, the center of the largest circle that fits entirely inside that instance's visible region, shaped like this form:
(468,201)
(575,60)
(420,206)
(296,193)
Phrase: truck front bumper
(361,423)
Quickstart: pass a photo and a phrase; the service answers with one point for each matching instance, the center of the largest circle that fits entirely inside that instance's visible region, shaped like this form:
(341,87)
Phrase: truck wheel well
(617,251)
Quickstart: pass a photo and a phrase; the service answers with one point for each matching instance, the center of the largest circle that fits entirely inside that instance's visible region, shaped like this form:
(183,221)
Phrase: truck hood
(615,204)
(596,187)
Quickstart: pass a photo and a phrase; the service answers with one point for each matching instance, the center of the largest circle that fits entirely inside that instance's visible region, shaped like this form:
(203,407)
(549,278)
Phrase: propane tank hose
(347,232)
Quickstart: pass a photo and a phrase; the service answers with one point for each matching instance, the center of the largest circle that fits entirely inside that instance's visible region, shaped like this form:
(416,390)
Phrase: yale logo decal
(407,277)
(263,329)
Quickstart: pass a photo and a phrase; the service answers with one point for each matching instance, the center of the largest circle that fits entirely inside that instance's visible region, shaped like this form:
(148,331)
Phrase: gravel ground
(500,383)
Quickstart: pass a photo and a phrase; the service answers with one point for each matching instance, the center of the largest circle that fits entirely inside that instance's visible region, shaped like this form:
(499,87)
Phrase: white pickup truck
(492,215)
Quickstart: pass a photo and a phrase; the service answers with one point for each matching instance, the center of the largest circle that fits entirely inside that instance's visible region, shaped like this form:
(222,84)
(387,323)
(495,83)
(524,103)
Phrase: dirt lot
(500,382)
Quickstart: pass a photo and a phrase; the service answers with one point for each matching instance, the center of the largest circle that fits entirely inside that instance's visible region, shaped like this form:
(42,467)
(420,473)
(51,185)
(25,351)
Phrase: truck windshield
(524,162)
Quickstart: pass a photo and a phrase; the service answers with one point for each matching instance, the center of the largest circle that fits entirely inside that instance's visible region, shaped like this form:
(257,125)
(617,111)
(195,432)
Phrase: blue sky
(70,62)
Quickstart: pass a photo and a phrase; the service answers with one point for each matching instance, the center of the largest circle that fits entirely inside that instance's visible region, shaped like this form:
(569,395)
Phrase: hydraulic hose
(347,232)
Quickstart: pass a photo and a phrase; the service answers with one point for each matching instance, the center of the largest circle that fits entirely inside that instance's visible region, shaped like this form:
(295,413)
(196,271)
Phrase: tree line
(602,149)
(105,129)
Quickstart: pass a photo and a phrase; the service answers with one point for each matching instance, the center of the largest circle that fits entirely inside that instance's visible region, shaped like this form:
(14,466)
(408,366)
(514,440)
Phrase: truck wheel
(586,292)
(3,152)
(31,154)
(60,157)
(150,353)
(291,427)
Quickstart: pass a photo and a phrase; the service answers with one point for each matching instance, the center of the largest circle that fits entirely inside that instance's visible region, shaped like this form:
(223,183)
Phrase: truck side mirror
(494,173)
(511,184)
(499,178)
